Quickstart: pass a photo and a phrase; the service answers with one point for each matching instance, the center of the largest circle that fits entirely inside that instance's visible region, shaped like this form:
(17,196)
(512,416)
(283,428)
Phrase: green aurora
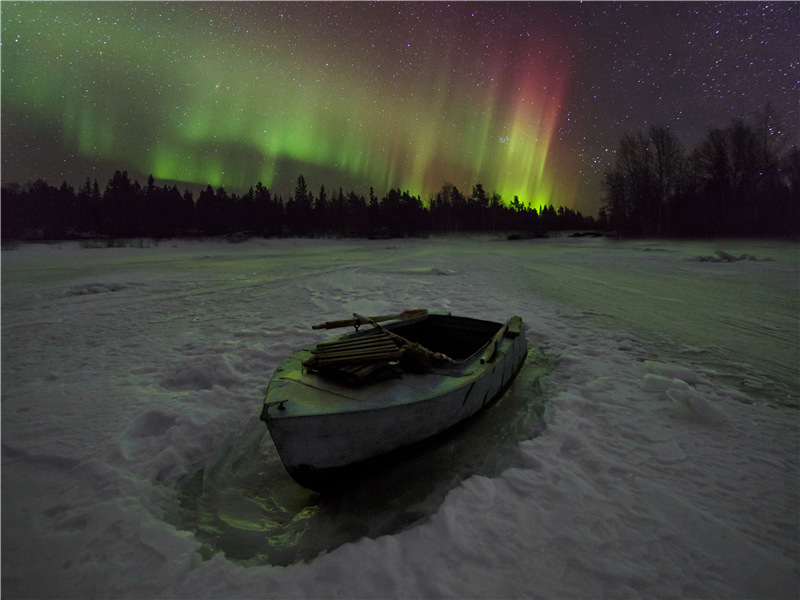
(229,94)
(529,99)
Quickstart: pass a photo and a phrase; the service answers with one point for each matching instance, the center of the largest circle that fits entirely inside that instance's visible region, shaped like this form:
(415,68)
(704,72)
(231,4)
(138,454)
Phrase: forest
(742,180)
(126,209)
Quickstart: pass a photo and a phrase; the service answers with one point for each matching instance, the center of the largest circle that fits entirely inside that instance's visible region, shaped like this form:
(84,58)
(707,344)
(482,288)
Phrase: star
(524,98)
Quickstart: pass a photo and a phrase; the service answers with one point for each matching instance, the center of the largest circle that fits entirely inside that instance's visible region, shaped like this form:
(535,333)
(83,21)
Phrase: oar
(406,314)
(408,343)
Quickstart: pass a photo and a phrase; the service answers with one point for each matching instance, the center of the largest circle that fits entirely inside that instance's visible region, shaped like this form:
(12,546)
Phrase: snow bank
(131,387)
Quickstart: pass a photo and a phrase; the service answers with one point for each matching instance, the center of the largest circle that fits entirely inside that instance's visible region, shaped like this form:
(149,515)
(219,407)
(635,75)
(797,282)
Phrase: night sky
(529,99)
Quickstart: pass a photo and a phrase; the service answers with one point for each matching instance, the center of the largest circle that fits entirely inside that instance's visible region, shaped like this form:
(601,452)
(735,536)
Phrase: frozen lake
(649,446)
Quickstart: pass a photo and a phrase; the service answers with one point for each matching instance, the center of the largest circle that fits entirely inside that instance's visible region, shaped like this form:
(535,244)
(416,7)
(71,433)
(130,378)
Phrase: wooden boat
(361,395)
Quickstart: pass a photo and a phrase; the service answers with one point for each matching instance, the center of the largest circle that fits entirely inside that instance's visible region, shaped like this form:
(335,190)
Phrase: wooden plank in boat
(368,338)
(357,351)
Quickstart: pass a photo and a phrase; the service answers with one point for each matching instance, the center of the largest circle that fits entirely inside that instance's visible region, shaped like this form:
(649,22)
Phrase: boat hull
(322,428)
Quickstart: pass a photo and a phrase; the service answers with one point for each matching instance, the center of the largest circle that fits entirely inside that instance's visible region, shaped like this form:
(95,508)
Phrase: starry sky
(529,99)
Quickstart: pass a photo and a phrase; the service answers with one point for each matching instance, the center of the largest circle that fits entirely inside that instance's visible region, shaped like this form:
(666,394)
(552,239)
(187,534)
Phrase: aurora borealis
(527,99)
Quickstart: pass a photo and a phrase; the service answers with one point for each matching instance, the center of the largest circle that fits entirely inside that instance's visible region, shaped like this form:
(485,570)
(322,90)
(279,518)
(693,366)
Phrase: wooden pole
(406,314)
(408,343)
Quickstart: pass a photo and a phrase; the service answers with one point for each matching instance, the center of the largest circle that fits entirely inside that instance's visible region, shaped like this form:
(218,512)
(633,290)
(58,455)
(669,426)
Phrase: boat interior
(457,337)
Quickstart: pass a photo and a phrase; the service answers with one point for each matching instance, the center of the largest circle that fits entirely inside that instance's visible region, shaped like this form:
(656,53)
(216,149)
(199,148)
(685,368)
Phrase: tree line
(126,209)
(740,180)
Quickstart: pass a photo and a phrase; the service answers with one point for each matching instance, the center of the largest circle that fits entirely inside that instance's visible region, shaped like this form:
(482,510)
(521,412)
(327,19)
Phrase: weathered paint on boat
(320,425)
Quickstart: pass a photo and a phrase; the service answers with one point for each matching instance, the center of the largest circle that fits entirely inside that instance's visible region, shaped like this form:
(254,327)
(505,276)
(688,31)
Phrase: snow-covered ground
(134,464)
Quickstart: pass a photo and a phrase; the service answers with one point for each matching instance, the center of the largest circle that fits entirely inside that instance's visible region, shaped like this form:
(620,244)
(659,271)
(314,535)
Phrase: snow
(134,464)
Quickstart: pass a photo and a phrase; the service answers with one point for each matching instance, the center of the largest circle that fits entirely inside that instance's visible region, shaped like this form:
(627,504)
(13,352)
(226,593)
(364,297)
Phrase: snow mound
(658,383)
(722,256)
(675,372)
(695,405)
(95,288)
(150,424)
(201,374)
(436,271)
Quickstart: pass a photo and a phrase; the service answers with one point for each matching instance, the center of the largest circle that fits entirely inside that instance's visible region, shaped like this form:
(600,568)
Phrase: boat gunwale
(414,320)
(469,370)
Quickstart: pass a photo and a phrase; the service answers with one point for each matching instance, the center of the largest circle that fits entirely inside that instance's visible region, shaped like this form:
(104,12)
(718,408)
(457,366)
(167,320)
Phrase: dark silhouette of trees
(644,177)
(298,210)
(739,181)
(268,215)
(88,202)
(125,209)
(321,210)
(479,203)
(213,211)
(402,214)
(355,221)
(167,212)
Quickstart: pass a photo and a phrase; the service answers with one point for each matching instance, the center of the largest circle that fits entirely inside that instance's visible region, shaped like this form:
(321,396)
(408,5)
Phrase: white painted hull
(324,426)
